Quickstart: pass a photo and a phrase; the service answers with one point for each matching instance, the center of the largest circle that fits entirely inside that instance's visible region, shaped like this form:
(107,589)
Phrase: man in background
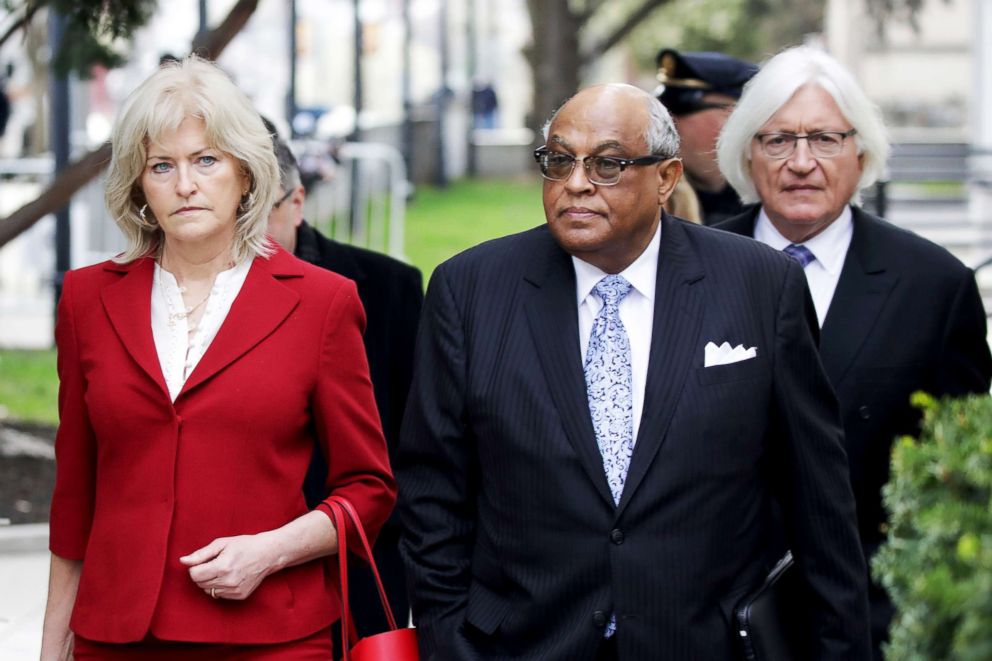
(392,294)
(700,90)
(898,313)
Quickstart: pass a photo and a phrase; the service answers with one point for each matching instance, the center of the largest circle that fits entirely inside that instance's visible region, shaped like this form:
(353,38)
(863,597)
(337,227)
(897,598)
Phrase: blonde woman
(196,369)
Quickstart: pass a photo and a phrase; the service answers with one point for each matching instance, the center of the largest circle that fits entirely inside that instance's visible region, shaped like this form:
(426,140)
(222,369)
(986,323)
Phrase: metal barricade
(363,200)
(26,263)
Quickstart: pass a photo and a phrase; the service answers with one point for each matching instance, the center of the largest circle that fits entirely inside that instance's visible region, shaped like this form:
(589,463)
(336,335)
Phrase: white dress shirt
(829,247)
(636,312)
(178,350)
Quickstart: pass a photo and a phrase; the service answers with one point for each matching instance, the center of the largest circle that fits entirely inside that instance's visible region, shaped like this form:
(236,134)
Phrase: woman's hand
(233,567)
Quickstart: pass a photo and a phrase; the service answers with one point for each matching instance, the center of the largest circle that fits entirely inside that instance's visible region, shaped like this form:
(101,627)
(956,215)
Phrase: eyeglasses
(600,170)
(824,144)
(283,198)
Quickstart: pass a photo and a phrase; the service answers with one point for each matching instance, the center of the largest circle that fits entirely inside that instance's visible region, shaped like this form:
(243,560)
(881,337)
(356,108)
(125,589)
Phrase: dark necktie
(799,253)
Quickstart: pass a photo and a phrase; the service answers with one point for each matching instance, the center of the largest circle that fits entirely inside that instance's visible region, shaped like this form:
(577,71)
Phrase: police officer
(700,90)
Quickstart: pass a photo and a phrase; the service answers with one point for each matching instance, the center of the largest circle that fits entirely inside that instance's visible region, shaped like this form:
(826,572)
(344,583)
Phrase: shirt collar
(642,274)
(829,246)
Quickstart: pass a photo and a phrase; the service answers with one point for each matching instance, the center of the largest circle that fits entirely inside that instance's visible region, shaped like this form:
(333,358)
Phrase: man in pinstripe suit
(603,409)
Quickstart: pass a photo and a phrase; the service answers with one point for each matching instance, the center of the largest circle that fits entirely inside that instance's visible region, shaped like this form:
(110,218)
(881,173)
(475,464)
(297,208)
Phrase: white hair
(775,83)
(661,137)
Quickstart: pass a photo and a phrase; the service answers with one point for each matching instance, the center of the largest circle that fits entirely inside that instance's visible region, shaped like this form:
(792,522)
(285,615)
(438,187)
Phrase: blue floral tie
(799,253)
(609,387)
(609,383)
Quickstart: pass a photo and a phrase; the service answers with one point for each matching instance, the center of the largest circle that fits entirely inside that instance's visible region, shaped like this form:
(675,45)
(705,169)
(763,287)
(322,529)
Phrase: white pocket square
(724,355)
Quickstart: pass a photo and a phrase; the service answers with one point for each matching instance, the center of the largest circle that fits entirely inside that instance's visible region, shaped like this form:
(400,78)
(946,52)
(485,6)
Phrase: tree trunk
(60,191)
(553,56)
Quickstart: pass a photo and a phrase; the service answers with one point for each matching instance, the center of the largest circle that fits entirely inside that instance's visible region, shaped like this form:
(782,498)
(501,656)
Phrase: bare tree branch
(22,22)
(214,42)
(625,28)
(591,7)
(57,195)
(79,173)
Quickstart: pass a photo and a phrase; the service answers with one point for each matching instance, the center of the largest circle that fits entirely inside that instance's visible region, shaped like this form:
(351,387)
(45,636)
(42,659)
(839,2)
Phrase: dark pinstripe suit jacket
(513,545)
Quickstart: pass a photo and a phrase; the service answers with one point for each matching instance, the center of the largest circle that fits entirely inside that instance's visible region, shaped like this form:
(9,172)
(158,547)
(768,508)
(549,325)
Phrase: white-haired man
(897,312)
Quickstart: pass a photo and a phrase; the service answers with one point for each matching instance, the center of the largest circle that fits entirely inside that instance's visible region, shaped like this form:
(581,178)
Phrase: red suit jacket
(142,481)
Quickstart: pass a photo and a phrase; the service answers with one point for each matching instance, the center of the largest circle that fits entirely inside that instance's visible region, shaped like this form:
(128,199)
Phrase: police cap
(686,77)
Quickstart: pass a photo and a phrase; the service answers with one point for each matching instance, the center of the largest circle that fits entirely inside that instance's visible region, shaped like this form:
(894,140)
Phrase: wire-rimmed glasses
(823,144)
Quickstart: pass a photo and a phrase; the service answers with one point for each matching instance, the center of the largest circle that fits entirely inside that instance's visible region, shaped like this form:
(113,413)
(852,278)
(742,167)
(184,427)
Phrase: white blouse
(178,350)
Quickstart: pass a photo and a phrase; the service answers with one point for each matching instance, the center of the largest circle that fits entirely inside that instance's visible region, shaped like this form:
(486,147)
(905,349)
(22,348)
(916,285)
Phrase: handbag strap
(350,509)
(341,507)
(346,625)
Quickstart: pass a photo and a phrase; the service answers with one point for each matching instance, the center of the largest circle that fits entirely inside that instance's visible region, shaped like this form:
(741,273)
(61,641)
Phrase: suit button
(616,536)
(864,412)
(599,619)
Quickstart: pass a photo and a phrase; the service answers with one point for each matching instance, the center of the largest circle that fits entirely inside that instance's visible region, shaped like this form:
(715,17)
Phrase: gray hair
(661,137)
(191,87)
(289,169)
(775,83)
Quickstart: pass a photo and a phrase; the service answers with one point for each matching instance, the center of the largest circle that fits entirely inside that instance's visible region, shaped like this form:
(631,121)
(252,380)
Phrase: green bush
(937,562)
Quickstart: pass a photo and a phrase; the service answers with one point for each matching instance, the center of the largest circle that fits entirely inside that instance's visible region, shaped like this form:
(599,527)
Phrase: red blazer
(142,481)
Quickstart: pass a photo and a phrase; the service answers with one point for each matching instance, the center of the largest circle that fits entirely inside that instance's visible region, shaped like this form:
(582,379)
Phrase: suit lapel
(862,290)
(552,314)
(260,307)
(678,314)
(128,305)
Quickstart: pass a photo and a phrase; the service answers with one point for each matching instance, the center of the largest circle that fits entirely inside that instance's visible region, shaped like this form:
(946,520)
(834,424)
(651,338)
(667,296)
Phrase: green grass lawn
(439,224)
(28,385)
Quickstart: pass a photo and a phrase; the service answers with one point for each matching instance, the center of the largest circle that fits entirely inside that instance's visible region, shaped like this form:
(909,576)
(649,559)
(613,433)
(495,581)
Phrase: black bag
(769,619)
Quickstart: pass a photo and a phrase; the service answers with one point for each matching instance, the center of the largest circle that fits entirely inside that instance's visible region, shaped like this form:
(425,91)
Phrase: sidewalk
(23,589)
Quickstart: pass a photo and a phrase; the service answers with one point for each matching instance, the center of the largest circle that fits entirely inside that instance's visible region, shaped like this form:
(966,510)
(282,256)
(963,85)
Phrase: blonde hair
(196,88)
(684,203)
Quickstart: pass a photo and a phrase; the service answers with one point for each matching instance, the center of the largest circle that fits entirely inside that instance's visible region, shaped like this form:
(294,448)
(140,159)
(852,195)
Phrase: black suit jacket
(392,295)
(906,316)
(513,545)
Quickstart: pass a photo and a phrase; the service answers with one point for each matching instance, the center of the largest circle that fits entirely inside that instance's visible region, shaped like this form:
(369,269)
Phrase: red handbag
(393,645)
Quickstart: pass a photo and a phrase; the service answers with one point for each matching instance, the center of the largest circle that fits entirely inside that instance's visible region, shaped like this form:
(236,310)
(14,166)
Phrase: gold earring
(247,202)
